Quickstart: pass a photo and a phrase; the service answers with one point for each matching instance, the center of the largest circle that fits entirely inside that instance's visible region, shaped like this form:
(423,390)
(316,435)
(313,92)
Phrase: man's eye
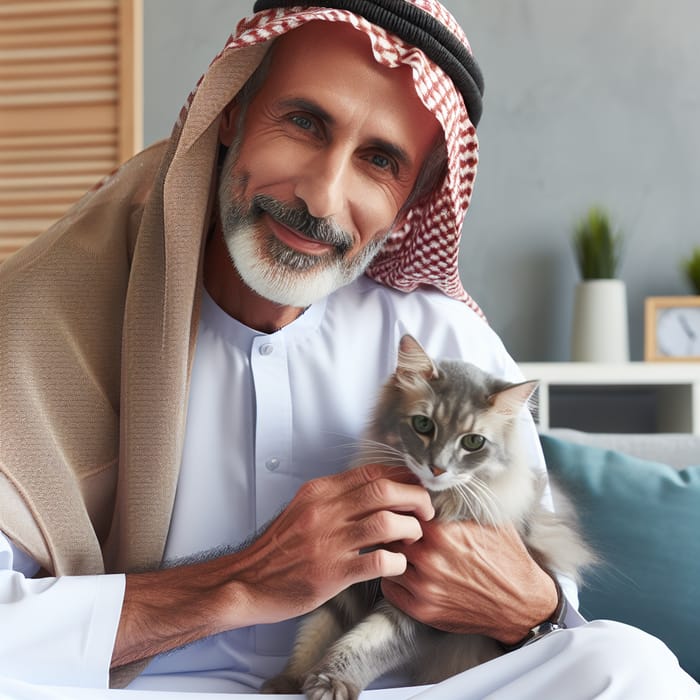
(383,162)
(302,122)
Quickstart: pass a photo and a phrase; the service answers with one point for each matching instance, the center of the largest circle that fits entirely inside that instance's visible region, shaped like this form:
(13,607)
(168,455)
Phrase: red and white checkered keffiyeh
(425,250)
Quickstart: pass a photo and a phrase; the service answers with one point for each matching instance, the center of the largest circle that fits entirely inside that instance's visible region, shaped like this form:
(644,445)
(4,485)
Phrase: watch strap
(551,624)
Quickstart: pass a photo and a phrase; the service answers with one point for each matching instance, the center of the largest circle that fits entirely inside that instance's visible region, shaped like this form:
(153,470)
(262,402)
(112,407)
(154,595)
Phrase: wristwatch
(553,623)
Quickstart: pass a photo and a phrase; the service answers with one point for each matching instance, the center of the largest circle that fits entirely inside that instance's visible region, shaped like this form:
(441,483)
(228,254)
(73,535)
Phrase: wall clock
(672,328)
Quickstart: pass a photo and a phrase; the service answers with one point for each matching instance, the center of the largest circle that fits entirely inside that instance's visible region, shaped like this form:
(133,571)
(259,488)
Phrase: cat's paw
(324,687)
(278,685)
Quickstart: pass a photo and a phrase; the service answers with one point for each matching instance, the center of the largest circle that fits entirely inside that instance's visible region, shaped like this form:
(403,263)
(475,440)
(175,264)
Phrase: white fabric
(301,397)
(571,664)
(56,630)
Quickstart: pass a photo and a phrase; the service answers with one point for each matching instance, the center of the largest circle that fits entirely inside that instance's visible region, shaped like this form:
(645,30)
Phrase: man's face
(330,149)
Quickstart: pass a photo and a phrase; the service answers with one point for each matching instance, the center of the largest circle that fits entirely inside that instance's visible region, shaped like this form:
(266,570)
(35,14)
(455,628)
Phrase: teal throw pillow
(643,518)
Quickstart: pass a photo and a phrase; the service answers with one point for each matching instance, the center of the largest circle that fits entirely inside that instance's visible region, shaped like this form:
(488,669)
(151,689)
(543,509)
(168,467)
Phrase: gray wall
(592,102)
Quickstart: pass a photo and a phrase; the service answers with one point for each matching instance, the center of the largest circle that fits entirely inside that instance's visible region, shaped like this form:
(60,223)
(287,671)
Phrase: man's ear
(227,126)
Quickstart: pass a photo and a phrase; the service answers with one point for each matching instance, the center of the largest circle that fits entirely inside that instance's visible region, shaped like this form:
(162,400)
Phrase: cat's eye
(422,425)
(472,442)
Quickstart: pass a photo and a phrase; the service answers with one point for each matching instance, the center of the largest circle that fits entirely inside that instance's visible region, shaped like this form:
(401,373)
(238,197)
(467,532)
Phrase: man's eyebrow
(306,105)
(394,150)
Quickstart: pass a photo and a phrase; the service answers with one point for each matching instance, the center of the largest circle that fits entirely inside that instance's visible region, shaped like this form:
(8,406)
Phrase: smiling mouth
(297,229)
(295,239)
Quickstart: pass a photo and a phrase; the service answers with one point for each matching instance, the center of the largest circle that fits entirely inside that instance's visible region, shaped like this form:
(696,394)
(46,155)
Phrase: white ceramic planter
(599,332)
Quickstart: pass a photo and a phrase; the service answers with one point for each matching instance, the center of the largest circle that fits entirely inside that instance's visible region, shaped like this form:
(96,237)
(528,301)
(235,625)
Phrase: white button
(272,464)
(266,349)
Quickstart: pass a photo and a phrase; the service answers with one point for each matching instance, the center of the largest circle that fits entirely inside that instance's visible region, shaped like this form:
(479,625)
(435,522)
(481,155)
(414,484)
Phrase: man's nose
(323,184)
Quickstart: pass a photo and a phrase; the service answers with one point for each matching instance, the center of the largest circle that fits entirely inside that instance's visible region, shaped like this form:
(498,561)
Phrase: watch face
(678,332)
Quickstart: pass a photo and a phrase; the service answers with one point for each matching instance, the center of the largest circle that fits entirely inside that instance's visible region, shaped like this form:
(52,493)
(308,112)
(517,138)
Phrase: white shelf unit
(676,386)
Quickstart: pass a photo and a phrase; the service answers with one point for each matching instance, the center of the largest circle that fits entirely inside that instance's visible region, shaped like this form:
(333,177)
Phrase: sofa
(638,500)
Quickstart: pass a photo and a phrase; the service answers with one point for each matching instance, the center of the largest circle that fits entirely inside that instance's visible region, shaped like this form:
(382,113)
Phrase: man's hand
(312,550)
(471,578)
(327,538)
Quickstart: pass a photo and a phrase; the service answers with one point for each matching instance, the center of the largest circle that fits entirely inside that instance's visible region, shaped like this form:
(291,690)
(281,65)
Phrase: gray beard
(277,272)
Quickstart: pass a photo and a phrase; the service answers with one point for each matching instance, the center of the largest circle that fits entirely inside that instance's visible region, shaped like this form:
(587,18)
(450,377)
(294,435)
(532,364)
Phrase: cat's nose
(436,471)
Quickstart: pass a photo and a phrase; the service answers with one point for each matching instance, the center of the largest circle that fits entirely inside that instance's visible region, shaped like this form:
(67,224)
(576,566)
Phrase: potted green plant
(599,331)
(691,268)
(597,248)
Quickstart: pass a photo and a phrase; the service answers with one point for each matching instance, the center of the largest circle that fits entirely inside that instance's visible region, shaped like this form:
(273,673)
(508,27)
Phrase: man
(192,347)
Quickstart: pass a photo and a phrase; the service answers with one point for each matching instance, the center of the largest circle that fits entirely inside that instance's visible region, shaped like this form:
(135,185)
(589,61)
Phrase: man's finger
(379,563)
(384,527)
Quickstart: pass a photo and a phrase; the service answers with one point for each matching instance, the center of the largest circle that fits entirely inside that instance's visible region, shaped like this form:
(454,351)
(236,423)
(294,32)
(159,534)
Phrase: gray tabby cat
(456,428)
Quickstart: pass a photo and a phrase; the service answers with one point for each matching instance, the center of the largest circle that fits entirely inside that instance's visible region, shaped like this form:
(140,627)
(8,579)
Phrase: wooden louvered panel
(37,8)
(70,105)
(61,119)
(52,69)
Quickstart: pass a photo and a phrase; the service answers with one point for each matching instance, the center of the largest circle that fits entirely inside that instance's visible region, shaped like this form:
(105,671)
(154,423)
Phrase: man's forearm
(169,608)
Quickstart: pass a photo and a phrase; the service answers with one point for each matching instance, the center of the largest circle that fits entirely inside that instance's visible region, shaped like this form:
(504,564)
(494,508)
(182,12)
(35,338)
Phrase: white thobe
(266,413)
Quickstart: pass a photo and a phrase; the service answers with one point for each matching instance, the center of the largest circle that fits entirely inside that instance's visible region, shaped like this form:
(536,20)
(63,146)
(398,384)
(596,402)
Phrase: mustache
(300,219)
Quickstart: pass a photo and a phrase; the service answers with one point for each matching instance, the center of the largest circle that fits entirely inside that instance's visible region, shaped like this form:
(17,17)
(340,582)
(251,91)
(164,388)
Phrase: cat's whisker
(384,457)
(489,502)
(474,506)
(479,513)
(348,452)
(367,443)
(396,469)
(373,451)
(468,498)
(391,462)
(478,492)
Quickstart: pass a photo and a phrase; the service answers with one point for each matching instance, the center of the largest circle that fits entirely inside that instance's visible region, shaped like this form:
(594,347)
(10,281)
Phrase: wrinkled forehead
(330,67)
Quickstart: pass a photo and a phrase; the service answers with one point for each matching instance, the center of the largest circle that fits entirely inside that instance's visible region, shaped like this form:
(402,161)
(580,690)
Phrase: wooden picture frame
(672,329)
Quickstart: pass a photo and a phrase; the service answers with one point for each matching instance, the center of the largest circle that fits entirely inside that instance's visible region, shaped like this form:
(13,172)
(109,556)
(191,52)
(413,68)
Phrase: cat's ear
(414,360)
(510,400)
